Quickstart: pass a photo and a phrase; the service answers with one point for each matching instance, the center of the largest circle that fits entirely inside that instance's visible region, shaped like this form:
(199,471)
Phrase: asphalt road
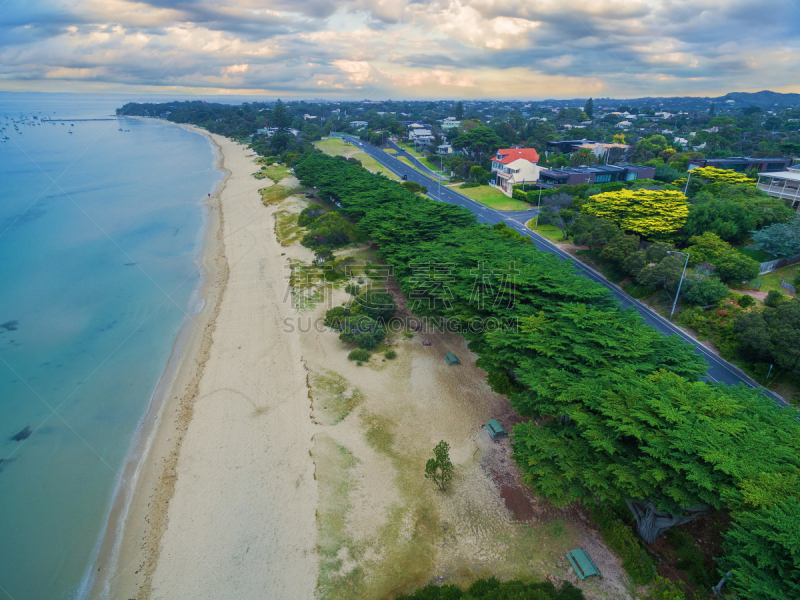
(718,368)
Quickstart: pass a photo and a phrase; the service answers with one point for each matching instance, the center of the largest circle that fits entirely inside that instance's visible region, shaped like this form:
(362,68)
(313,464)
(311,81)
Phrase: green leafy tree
(731,265)
(583,156)
(479,142)
(667,446)
(761,552)
(479,174)
(771,336)
(280,116)
(650,213)
(667,271)
(735,267)
(650,147)
(439,468)
(590,230)
(781,239)
(459,110)
(589,108)
(620,248)
(706,292)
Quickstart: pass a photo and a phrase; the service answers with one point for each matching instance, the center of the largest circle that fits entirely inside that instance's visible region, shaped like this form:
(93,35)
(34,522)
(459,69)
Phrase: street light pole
(675,303)
(538,208)
(686,189)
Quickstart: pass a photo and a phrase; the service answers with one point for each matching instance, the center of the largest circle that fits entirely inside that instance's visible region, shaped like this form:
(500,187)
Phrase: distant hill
(764,99)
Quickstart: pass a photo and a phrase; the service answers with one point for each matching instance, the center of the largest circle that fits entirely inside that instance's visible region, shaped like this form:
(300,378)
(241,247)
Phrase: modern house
(553,178)
(741,164)
(445,148)
(514,165)
(782,184)
(601,150)
(421,136)
(358,124)
(450,123)
(567,146)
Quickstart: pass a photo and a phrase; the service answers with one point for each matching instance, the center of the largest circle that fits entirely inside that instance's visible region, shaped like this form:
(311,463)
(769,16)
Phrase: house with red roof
(514,165)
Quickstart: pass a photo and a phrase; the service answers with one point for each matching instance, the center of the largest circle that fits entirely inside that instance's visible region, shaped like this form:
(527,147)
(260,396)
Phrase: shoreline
(132,531)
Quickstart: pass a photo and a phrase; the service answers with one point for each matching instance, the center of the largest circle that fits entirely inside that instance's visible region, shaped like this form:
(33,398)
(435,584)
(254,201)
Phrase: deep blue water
(100,230)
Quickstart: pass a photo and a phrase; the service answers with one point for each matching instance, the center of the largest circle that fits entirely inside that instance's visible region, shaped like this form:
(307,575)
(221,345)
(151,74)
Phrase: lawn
(551,232)
(755,253)
(488,196)
(390,151)
(772,281)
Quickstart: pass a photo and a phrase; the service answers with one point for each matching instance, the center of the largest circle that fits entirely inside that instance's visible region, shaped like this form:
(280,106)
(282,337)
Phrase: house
(421,136)
(567,146)
(450,123)
(514,165)
(682,141)
(445,148)
(742,164)
(554,178)
(784,185)
(601,150)
(623,124)
(358,124)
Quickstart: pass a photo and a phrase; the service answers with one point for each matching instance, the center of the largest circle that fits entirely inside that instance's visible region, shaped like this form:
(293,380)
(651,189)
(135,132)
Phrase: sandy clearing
(241,521)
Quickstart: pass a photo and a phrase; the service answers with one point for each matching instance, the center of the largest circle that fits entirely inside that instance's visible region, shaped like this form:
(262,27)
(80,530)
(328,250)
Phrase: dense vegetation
(622,415)
(492,589)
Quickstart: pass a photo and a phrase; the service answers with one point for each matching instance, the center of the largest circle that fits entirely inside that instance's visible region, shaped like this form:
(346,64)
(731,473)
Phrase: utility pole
(675,303)
(538,208)
(686,189)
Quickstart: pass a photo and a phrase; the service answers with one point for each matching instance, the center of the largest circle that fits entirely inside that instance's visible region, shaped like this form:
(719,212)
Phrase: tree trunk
(652,522)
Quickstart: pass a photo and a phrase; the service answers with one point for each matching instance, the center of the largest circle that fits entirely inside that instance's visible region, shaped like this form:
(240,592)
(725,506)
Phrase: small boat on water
(69,132)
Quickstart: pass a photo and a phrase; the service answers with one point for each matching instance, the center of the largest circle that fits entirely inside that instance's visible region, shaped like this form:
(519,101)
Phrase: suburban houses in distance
(511,166)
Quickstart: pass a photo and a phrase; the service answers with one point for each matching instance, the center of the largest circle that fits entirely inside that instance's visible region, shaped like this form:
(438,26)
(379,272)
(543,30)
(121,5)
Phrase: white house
(623,124)
(514,165)
(445,148)
(358,124)
(450,123)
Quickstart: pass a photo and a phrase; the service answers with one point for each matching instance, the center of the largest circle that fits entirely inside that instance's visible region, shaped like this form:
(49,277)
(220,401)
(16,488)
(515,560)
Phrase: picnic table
(451,359)
(495,429)
(582,564)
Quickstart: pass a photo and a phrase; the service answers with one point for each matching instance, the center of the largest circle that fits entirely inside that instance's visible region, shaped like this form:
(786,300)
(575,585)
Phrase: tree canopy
(650,213)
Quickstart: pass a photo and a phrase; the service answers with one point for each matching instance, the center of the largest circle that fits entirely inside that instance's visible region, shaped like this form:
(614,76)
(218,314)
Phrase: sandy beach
(224,508)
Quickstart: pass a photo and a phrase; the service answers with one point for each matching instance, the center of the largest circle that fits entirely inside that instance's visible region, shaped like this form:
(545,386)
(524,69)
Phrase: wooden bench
(582,564)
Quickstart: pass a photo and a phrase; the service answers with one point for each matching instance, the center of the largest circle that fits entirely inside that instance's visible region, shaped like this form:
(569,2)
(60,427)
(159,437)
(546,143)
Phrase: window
(775,166)
(604,178)
(631,176)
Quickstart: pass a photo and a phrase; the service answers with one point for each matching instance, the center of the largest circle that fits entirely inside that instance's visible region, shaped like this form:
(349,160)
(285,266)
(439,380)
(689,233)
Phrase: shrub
(664,589)
(414,187)
(330,230)
(361,331)
(619,537)
(492,589)
(706,292)
(774,298)
(334,317)
(390,354)
(352,289)
(310,214)
(746,300)
(360,355)
(470,184)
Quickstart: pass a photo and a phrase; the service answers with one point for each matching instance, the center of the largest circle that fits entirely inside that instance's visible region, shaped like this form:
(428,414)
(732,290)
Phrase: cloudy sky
(401,48)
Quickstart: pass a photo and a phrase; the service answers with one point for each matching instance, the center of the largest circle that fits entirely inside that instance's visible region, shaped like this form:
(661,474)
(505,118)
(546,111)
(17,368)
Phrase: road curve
(718,369)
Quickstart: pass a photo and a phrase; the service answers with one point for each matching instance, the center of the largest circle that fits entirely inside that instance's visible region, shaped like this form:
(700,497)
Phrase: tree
(618,249)
(650,213)
(557,211)
(708,247)
(761,552)
(736,267)
(439,468)
(780,239)
(667,271)
(589,108)
(667,446)
(771,336)
(593,231)
(459,110)
(479,174)
(706,292)
(714,175)
(583,156)
(650,147)
(280,116)
(619,138)
(479,141)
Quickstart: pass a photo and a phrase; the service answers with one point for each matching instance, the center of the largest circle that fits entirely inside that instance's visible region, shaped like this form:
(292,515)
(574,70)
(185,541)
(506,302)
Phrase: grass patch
(274,172)
(755,253)
(772,281)
(551,232)
(390,151)
(488,196)
(287,230)
(333,398)
(277,193)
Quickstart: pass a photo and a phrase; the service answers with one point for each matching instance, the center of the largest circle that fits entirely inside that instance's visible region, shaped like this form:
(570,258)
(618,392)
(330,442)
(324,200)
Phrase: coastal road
(719,369)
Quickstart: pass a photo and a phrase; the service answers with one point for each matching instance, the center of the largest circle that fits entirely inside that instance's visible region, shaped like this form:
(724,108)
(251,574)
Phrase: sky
(401,49)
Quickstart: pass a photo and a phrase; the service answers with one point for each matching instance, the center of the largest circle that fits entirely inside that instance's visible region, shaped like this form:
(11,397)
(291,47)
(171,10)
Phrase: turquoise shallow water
(99,233)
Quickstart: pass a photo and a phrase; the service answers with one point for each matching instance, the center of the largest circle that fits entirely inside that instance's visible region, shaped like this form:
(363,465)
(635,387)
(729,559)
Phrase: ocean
(100,231)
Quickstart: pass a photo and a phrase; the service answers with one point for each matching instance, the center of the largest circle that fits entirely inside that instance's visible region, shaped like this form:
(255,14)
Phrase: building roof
(790,175)
(511,154)
(587,169)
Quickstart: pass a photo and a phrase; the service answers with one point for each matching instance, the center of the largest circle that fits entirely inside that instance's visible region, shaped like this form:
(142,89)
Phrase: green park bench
(495,429)
(582,564)
(451,359)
